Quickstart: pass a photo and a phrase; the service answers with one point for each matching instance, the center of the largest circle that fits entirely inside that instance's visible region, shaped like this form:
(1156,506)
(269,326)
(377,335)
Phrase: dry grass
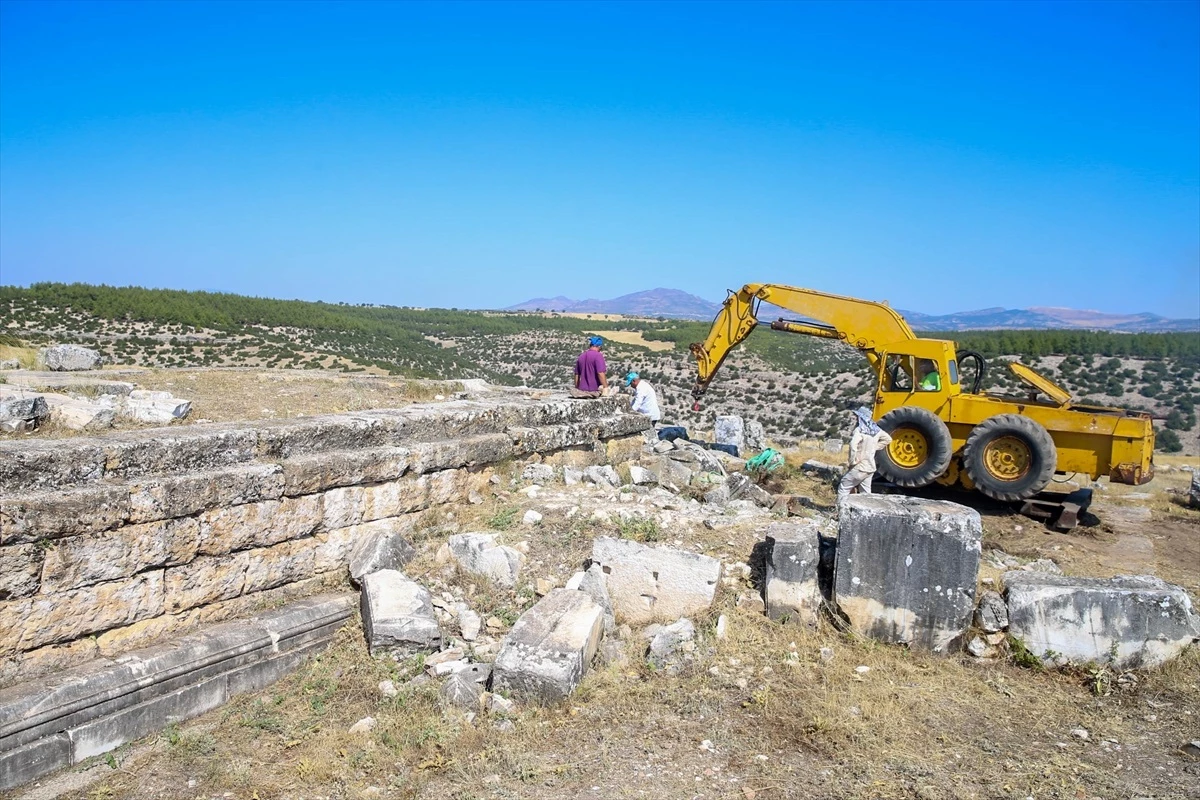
(634,338)
(28,356)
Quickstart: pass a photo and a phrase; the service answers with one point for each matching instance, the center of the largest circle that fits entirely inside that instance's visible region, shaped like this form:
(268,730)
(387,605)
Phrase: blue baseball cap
(630,378)
(595,341)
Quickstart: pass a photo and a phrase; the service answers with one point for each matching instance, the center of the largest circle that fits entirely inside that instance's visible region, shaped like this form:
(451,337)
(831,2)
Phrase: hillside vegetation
(796,386)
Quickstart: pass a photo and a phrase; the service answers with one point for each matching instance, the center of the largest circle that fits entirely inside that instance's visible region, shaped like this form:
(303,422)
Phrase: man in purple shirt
(590,371)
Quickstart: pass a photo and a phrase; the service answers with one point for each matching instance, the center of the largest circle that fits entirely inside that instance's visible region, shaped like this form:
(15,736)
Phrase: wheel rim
(1007,458)
(908,449)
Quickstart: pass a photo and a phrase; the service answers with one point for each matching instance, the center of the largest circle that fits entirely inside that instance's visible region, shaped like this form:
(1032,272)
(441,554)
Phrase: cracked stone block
(730,429)
(906,569)
(648,584)
(538,473)
(70,358)
(591,582)
(1126,622)
(792,584)
(480,554)
(603,475)
(992,614)
(397,615)
(380,548)
(549,648)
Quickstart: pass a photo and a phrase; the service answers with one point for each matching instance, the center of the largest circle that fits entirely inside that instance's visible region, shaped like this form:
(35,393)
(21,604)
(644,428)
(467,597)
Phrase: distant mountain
(651,303)
(1044,317)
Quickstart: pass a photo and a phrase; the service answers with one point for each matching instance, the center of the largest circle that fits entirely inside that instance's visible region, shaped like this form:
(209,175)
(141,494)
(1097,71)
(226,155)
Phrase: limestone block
(673,473)
(538,473)
(78,414)
(627,446)
(395,498)
(550,647)
(397,615)
(182,495)
(730,429)
(381,545)
(343,507)
(756,437)
(603,475)
(792,585)
(268,567)
(29,762)
(33,664)
(48,464)
(1126,622)
(640,476)
(177,451)
(23,405)
(68,615)
(447,486)
(318,472)
(655,583)
(906,569)
(460,691)
(70,358)
(828,472)
(204,580)
(742,487)
(20,570)
(284,439)
(115,642)
(1194,491)
(668,640)
(154,408)
(224,530)
(481,554)
(992,614)
(96,557)
(592,583)
(832,445)
(49,515)
(461,452)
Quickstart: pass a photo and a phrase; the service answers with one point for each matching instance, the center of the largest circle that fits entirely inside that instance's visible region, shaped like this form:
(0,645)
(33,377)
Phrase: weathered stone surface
(182,495)
(78,414)
(655,583)
(991,615)
(20,570)
(83,560)
(397,615)
(832,445)
(29,762)
(792,587)
(70,358)
(822,470)
(49,515)
(1194,491)
(549,648)
(538,473)
(316,472)
(742,487)
(268,567)
(18,404)
(380,545)
(395,498)
(756,437)
(640,476)
(343,507)
(224,530)
(603,475)
(177,451)
(592,583)
(460,691)
(668,640)
(906,569)
(204,580)
(154,408)
(673,474)
(481,554)
(730,430)
(1126,622)
(91,609)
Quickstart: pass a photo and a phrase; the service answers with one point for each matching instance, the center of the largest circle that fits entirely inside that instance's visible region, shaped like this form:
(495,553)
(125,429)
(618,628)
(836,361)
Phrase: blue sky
(945,156)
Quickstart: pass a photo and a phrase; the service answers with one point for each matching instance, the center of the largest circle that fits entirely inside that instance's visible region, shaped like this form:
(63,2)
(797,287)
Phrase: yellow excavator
(1007,447)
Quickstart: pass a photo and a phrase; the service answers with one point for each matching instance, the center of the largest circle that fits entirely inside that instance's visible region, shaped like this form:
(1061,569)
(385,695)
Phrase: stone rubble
(481,554)
(668,642)
(379,547)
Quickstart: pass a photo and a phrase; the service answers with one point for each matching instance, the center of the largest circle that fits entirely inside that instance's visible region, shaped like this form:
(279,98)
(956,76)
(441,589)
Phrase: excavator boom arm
(861,323)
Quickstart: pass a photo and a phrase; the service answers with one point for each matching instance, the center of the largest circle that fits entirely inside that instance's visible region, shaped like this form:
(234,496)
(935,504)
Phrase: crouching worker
(645,401)
(591,373)
(867,439)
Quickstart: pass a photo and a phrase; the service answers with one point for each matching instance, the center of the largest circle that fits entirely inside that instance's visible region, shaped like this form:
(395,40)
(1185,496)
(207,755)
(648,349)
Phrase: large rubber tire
(1010,457)
(920,450)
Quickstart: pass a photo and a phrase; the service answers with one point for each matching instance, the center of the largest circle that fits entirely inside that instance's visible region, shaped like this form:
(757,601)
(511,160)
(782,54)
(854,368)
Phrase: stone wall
(109,543)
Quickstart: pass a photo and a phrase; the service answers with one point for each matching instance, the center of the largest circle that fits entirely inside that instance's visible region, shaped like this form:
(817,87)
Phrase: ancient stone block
(538,473)
(224,530)
(592,583)
(655,583)
(31,466)
(268,567)
(343,507)
(23,405)
(730,429)
(49,515)
(177,451)
(20,570)
(204,580)
(82,560)
(78,414)
(380,545)
(906,569)
(70,358)
(603,475)
(154,408)
(455,453)
(397,614)
(283,439)
(395,498)
(183,495)
(28,763)
(991,615)
(792,587)
(317,472)
(68,615)
(550,647)
(620,449)
(481,554)
(447,486)
(1125,622)
(756,437)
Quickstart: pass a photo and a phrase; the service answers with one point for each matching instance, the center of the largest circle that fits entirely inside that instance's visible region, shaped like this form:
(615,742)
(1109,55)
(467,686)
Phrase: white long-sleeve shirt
(645,401)
(863,447)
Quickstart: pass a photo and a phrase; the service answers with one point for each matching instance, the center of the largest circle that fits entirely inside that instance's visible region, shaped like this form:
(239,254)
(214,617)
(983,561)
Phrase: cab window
(953,372)
(898,374)
(929,379)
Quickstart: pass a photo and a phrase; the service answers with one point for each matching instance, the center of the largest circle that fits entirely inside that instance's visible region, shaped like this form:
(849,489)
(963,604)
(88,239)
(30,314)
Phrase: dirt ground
(770,711)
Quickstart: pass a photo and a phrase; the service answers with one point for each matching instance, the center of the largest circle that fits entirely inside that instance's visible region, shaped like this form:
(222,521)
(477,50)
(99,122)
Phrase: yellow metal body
(912,371)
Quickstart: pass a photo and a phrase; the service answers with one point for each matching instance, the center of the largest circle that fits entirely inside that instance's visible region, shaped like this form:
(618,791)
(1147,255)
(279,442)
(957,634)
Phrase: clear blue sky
(944,156)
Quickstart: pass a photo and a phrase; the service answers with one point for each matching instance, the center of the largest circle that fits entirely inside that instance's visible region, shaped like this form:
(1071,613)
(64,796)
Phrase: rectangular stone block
(343,507)
(390,500)
(318,472)
(225,530)
(268,567)
(550,647)
(204,580)
(20,570)
(650,584)
(78,612)
(1125,622)
(177,451)
(183,495)
(28,763)
(906,569)
(283,439)
(47,464)
(455,453)
(84,560)
(397,615)
(792,588)
(50,515)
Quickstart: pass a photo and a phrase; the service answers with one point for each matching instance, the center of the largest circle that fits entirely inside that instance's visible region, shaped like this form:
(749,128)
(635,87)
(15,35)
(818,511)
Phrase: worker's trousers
(855,478)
